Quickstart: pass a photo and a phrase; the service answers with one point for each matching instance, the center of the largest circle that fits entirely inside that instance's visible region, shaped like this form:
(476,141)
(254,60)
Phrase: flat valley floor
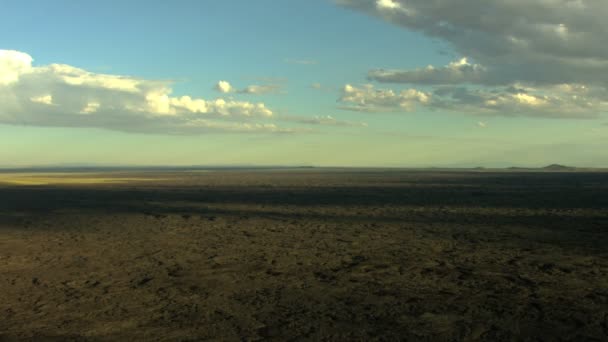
(290,255)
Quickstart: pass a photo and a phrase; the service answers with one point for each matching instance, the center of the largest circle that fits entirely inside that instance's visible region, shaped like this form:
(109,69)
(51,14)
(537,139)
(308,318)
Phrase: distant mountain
(558,167)
(552,167)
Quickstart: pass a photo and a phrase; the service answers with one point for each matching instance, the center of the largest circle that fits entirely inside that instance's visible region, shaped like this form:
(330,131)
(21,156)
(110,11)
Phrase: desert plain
(304,254)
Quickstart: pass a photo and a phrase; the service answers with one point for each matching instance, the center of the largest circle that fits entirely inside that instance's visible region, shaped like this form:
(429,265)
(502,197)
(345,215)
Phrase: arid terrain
(304,254)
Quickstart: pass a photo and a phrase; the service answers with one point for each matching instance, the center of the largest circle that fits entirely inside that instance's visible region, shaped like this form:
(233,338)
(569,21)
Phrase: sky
(387,83)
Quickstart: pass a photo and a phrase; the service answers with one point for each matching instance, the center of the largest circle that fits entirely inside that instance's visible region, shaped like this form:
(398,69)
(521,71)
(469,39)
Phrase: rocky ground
(328,255)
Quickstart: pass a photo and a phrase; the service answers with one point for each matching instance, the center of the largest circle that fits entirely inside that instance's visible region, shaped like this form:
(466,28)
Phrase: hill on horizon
(558,167)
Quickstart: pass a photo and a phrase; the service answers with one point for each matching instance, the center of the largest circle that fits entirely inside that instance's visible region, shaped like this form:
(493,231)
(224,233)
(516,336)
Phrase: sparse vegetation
(321,255)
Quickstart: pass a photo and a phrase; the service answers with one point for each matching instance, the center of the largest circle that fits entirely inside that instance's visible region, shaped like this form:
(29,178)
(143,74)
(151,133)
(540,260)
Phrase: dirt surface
(305,255)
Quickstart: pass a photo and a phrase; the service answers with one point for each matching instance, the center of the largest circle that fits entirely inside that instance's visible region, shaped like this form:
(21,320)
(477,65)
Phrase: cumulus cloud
(12,64)
(63,95)
(560,101)
(224,87)
(499,32)
(368,99)
(540,44)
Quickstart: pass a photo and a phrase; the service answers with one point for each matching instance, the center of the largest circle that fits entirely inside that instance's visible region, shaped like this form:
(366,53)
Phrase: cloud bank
(522,57)
(326,120)
(63,95)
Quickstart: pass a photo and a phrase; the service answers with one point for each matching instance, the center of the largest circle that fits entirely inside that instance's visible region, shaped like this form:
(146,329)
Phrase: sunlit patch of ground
(66,178)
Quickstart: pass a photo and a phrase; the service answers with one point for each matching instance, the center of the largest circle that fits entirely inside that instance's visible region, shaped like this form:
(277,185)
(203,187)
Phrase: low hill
(558,167)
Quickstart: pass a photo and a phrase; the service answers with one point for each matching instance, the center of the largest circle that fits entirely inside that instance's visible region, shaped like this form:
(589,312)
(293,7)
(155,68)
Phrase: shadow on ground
(308,255)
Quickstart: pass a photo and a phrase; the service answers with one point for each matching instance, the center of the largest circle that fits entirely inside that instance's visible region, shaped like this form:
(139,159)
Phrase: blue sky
(324,83)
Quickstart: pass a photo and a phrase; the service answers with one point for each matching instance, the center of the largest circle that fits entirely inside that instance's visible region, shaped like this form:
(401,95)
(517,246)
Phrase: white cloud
(44,99)
(368,99)
(224,87)
(12,64)
(220,107)
(63,95)
(79,77)
(254,89)
(387,4)
(561,101)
